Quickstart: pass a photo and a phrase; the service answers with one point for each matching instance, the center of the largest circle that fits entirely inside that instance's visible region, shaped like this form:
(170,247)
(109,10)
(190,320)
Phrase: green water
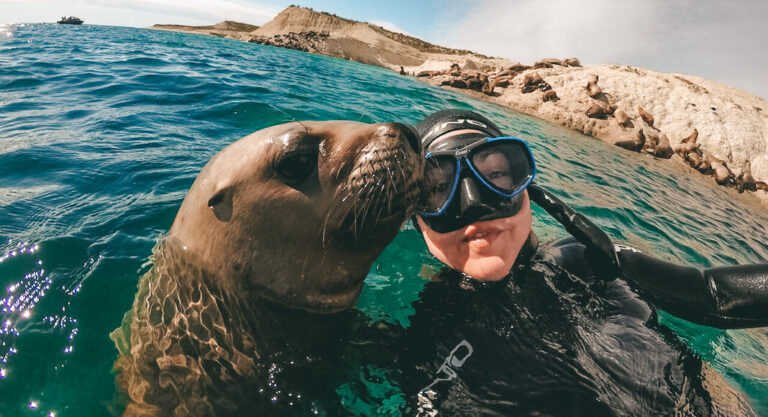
(103,130)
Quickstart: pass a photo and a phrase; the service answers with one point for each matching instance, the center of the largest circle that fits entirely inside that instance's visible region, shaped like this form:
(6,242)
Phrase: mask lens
(506,165)
(439,180)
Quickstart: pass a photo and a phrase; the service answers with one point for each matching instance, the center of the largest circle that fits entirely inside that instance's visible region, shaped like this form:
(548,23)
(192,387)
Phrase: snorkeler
(517,328)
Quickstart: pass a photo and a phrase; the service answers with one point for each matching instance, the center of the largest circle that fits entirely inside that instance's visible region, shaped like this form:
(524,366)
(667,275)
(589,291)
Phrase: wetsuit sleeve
(724,297)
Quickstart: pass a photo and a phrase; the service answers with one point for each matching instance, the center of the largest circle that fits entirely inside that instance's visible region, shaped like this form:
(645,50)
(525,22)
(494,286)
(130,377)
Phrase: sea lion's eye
(296,167)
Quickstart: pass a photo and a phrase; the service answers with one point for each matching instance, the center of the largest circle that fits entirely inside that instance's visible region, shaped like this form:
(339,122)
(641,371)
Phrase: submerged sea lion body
(282,223)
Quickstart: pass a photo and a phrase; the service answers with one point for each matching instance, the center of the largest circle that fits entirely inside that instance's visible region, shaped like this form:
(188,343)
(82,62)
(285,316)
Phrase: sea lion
(572,62)
(706,165)
(691,147)
(746,180)
(475,84)
(621,117)
(721,172)
(647,118)
(282,223)
(688,144)
(593,90)
(456,83)
(652,139)
(502,81)
(488,88)
(532,82)
(663,149)
(549,96)
(692,137)
(633,145)
(694,159)
(596,111)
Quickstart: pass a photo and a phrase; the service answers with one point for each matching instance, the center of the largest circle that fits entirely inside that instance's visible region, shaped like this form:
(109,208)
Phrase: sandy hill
(225,29)
(299,19)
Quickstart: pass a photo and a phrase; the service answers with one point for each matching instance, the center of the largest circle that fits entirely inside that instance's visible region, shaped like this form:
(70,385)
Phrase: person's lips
(478,236)
(475,236)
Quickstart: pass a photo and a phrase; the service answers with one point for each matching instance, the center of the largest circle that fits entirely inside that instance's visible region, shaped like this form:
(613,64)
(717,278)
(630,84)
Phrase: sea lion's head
(297,213)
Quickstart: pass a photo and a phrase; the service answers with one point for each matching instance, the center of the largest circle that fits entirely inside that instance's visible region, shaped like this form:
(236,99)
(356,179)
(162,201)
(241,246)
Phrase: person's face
(485,250)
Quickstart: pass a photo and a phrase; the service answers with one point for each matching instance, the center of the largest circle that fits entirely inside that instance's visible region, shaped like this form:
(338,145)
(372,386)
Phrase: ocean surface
(104,129)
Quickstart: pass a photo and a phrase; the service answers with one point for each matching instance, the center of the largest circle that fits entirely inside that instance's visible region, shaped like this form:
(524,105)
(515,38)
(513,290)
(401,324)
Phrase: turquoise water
(103,130)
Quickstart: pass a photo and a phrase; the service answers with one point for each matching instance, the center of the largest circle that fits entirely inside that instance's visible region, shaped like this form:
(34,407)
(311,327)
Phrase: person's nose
(471,198)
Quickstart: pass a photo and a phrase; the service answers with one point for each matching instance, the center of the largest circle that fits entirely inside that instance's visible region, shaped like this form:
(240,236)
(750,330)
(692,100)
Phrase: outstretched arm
(724,297)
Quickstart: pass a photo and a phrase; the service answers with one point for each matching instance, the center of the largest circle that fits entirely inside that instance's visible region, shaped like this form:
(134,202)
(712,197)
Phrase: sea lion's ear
(221,204)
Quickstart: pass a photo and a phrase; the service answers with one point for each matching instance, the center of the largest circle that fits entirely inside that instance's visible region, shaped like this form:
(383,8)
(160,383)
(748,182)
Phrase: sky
(722,40)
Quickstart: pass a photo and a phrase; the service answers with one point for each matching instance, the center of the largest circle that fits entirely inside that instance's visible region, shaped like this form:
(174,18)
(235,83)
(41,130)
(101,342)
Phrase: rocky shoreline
(716,130)
(617,104)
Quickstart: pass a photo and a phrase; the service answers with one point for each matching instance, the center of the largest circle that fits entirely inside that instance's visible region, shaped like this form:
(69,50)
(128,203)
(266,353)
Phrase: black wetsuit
(554,339)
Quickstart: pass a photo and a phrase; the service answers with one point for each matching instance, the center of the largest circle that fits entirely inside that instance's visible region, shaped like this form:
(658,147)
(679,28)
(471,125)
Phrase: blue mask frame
(463,154)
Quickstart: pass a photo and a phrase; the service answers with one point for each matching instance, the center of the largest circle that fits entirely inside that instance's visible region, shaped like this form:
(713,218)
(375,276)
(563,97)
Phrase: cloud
(715,40)
(528,30)
(388,26)
(222,9)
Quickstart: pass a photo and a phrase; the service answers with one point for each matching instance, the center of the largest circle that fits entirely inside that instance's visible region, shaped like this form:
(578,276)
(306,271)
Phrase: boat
(71,20)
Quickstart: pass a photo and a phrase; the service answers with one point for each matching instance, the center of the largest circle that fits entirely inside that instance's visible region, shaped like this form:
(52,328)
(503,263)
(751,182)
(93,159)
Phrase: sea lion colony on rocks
(280,224)
(640,124)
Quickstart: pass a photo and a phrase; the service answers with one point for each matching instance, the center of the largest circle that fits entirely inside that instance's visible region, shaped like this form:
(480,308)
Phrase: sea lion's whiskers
(337,202)
(392,187)
(370,190)
(292,119)
(305,263)
(380,196)
(376,202)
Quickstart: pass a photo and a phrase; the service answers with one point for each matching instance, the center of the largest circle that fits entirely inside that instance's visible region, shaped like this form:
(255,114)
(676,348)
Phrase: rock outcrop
(715,129)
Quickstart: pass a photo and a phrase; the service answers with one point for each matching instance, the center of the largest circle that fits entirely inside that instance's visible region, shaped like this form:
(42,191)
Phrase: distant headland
(708,127)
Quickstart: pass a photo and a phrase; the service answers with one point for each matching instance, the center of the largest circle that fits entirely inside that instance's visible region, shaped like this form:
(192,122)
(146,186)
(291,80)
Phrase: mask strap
(580,227)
